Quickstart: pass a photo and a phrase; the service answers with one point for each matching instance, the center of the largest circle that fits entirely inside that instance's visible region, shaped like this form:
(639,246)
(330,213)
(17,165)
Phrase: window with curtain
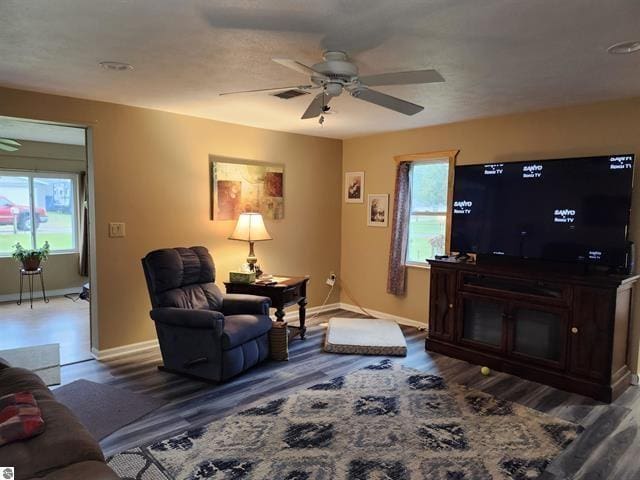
(428,210)
(38,207)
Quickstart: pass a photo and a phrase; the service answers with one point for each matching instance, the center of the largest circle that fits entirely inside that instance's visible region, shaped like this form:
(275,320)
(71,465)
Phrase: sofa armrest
(238,304)
(189,318)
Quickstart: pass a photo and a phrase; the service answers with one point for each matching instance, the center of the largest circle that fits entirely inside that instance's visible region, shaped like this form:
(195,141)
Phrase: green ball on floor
(485,371)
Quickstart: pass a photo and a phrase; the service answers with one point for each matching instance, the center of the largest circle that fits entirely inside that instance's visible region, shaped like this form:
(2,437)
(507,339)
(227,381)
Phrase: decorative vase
(31,263)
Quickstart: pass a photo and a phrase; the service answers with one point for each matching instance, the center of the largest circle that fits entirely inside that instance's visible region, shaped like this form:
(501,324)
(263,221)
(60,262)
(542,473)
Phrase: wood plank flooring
(608,449)
(59,321)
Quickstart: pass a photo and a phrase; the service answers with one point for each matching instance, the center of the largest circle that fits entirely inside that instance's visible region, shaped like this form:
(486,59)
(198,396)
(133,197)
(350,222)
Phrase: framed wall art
(240,186)
(354,187)
(378,209)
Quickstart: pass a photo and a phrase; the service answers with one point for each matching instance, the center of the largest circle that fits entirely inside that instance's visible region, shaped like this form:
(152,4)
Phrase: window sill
(422,266)
(64,252)
(51,254)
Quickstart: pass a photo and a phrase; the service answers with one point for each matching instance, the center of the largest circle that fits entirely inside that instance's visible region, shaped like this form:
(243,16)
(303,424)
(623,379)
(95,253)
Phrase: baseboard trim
(111,353)
(291,315)
(294,313)
(376,313)
(37,293)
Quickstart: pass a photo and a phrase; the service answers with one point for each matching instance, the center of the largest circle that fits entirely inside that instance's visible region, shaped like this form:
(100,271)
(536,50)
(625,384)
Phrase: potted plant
(30,258)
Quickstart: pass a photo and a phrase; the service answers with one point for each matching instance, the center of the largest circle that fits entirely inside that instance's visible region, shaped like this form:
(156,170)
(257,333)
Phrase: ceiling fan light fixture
(116,66)
(624,48)
(333,89)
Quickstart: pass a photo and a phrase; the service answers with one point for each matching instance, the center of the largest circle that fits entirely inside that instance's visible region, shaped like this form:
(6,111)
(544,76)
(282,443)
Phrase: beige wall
(602,128)
(151,172)
(61,270)
(45,157)
(60,273)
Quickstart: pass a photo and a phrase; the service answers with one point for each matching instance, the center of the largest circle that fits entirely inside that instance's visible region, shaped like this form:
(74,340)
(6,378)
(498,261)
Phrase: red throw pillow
(20,417)
(19,398)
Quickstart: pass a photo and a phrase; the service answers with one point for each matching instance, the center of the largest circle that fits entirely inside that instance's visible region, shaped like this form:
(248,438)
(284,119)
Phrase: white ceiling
(497,56)
(40,132)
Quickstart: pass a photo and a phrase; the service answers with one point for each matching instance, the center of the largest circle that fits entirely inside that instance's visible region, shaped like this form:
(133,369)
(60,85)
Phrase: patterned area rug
(383,422)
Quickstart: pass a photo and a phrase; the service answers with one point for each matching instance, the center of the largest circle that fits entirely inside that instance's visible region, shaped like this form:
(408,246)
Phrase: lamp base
(252,259)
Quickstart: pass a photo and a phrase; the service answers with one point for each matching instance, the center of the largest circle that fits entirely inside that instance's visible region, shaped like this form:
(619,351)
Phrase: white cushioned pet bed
(365,336)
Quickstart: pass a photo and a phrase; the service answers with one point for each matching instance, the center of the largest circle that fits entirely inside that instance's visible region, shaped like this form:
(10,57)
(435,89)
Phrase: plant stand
(30,274)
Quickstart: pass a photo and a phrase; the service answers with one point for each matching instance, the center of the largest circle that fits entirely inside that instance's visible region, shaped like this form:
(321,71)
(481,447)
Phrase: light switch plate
(116,229)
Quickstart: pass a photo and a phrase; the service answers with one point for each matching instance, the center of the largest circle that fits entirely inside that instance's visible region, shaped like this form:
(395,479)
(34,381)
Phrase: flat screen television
(574,209)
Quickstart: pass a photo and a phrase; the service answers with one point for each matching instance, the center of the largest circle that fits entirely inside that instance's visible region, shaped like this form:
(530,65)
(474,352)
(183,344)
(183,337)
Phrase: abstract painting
(239,186)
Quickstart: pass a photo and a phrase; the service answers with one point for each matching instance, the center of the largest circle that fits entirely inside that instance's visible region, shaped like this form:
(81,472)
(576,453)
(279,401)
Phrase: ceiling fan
(338,73)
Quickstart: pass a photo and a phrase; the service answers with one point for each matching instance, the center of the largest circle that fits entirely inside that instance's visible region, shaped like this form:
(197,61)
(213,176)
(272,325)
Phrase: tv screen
(574,209)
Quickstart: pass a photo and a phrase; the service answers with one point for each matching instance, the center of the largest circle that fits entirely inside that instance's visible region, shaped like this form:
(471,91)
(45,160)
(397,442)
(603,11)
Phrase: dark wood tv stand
(561,329)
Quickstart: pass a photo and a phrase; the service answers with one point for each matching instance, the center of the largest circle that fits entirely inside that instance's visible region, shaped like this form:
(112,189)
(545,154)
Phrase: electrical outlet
(331,279)
(116,229)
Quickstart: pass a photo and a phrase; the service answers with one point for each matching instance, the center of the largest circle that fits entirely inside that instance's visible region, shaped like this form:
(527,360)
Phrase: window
(38,207)
(428,214)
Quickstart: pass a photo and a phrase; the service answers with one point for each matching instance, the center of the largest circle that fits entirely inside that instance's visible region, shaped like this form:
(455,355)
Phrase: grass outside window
(428,219)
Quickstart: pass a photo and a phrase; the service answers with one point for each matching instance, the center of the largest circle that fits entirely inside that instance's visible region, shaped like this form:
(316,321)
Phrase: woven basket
(279,341)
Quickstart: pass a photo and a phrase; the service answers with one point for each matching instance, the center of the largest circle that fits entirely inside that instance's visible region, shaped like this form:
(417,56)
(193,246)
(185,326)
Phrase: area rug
(365,336)
(43,360)
(103,409)
(382,422)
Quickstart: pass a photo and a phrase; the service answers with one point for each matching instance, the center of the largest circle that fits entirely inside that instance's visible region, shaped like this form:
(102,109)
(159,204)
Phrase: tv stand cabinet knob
(451,305)
(574,330)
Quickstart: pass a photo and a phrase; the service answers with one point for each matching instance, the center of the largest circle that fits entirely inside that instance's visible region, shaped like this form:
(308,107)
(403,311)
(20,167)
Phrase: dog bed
(365,336)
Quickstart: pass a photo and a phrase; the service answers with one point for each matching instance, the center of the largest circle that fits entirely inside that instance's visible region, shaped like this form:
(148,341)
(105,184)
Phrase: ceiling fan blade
(386,101)
(402,78)
(299,87)
(316,107)
(8,145)
(298,67)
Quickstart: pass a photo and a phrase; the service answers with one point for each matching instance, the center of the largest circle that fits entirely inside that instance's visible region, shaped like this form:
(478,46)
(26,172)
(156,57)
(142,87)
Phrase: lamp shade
(250,228)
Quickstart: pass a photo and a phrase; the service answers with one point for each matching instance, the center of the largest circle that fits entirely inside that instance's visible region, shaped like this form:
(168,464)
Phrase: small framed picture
(378,209)
(354,187)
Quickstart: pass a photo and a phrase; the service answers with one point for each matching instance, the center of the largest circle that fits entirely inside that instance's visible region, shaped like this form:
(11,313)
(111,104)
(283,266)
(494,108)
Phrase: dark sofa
(64,451)
(202,332)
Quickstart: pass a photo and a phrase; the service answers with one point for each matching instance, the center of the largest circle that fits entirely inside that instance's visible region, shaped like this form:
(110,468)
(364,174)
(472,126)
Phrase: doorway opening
(45,248)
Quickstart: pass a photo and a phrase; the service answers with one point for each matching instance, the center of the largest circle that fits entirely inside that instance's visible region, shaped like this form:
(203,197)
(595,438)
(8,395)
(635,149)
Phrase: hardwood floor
(609,448)
(59,321)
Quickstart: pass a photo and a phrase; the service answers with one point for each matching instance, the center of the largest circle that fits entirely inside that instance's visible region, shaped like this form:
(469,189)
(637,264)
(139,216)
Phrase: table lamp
(250,228)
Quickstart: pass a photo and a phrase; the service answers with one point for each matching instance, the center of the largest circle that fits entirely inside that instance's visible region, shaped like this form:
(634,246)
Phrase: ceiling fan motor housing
(337,68)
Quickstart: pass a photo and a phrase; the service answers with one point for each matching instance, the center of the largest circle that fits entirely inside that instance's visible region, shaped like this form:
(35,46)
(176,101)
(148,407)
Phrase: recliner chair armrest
(190,318)
(238,304)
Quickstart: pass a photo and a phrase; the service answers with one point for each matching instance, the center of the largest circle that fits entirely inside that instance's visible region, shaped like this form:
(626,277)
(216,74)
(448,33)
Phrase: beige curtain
(83,221)
(396,280)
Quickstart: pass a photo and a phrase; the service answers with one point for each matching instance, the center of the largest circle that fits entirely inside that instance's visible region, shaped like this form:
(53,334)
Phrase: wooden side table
(30,274)
(288,291)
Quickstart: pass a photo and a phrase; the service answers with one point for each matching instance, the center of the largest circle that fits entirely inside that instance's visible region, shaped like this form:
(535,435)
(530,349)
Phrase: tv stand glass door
(521,330)
(537,333)
(481,322)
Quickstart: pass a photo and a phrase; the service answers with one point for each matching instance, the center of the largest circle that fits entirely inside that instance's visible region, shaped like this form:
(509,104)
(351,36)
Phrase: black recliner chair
(201,331)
